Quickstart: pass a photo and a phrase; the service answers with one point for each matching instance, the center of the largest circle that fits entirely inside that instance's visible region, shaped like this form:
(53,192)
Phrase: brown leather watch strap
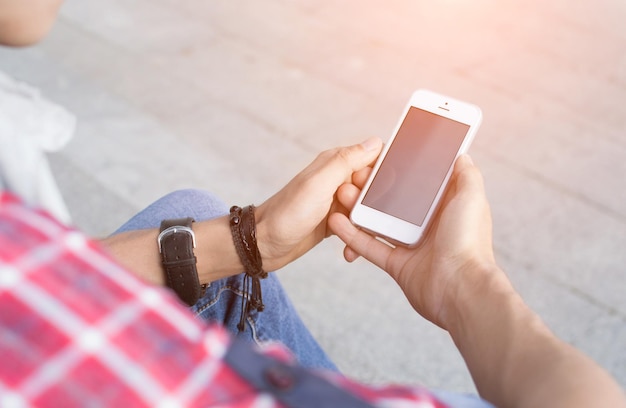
(176,243)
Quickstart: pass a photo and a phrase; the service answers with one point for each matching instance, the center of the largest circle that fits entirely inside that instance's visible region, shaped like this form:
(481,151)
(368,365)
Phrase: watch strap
(176,243)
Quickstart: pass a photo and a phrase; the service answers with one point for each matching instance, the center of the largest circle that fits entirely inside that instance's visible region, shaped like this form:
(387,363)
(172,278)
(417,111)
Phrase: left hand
(293,221)
(454,258)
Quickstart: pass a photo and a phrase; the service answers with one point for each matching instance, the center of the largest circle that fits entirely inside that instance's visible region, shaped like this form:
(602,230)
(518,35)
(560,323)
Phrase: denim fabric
(222,302)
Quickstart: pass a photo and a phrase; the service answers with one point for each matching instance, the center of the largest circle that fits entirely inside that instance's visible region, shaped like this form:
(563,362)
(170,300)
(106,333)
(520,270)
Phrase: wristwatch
(176,243)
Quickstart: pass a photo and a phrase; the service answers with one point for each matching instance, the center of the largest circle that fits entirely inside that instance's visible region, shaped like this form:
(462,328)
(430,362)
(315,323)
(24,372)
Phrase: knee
(189,194)
(196,203)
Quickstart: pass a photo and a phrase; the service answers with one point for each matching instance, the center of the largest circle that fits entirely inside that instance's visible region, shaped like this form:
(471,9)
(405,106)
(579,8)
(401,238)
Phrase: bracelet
(243,229)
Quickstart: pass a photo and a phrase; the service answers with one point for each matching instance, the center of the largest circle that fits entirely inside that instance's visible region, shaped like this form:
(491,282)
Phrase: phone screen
(416,165)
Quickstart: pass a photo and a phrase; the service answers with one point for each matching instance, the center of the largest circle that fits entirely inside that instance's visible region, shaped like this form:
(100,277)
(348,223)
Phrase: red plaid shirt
(76,329)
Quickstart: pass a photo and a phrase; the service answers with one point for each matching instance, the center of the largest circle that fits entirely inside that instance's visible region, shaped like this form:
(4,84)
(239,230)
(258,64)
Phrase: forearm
(516,361)
(217,258)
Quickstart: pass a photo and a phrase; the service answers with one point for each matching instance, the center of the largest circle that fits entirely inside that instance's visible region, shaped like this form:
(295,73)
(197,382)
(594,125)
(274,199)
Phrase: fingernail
(370,144)
(468,159)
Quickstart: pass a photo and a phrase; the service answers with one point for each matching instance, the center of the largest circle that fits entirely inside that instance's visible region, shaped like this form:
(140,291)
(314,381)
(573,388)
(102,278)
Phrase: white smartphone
(409,179)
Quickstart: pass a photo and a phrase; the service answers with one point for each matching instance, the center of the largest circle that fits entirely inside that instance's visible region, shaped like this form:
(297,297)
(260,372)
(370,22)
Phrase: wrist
(481,288)
(217,257)
(270,255)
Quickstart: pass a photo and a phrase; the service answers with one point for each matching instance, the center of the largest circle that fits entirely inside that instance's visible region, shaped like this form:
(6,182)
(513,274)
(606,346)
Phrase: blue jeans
(222,302)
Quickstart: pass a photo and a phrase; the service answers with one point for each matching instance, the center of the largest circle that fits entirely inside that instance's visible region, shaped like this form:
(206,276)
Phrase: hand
(456,249)
(294,220)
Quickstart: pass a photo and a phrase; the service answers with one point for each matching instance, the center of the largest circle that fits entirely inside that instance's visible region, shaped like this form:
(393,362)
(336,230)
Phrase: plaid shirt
(76,329)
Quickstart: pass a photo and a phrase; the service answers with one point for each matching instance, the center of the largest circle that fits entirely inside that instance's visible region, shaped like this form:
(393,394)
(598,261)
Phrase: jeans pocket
(222,304)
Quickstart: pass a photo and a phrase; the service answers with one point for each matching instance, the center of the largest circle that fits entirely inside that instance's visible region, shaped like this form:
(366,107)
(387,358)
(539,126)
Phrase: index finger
(359,241)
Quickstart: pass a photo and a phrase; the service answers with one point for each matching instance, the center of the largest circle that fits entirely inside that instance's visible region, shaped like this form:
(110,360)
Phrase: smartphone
(410,176)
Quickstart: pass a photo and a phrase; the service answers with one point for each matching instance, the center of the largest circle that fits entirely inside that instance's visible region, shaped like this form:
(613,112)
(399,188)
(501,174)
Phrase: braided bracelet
(243,229)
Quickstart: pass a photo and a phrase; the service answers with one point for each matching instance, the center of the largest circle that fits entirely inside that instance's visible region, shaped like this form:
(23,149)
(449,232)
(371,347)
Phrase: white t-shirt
(31,126)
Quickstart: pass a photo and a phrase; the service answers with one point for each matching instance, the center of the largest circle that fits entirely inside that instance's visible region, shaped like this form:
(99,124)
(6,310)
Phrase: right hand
(455,254)
(452,279)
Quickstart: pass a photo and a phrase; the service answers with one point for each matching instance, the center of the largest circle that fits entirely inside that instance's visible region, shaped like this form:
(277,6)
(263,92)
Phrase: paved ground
(237,96)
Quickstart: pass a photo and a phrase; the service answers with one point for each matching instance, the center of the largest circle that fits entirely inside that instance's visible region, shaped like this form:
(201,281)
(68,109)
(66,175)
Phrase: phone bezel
(388,227)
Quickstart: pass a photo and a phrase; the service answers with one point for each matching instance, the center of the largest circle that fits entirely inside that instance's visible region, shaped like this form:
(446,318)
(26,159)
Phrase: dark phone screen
(415,166)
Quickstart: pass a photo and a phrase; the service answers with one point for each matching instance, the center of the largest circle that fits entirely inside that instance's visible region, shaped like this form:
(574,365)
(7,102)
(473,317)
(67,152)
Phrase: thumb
(372,144)
(344,161)
(332,168)
(468,177)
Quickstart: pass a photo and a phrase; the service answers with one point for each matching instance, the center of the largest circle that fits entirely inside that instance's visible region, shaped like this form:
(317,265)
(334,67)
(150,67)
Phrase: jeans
(279,322)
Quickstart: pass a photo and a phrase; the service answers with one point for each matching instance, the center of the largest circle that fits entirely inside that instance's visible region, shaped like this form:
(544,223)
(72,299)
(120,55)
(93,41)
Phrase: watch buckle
(173,230)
